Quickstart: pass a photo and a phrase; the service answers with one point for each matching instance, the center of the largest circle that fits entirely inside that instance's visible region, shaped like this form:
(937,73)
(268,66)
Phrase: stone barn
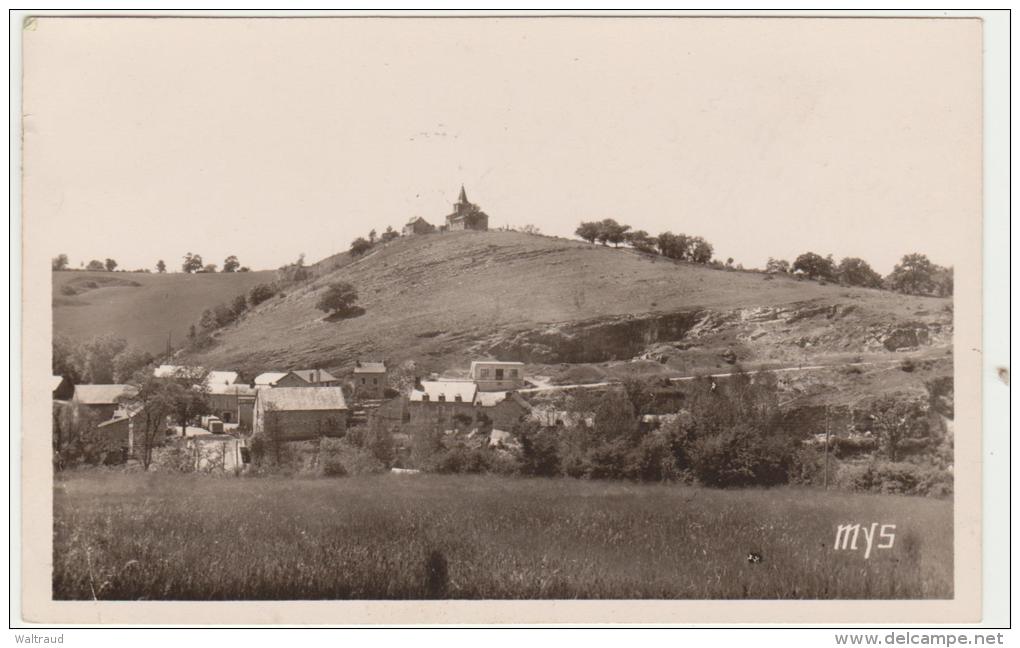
(295,413)
(466,216)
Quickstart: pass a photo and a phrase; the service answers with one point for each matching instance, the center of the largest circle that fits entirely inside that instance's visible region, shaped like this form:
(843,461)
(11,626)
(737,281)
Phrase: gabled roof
(415,219)
(303,398)
(370,367)
(450,390)
(102,394)
(269,378)
(222,378)
(232,389)
(491,399)
(314,375)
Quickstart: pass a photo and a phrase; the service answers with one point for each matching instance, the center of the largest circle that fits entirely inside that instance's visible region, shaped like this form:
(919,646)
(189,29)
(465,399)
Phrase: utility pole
(826,478)
(169,346)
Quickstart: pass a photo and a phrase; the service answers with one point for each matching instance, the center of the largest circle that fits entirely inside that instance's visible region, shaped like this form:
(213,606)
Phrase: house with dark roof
(418,225)
(317,377)
(295,413)
(280,379)
(100,401)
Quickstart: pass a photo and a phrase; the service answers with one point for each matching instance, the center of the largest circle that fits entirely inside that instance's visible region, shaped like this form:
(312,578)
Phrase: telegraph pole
(826,478)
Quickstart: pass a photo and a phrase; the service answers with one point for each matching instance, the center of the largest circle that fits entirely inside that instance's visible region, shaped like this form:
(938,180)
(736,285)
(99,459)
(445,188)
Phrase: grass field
(142,308)
(124,536)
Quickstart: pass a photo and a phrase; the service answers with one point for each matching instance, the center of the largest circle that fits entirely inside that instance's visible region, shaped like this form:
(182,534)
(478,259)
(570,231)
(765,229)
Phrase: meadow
(131,536)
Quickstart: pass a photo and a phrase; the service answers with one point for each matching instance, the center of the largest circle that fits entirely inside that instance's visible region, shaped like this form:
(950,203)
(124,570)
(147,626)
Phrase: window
(499,374)
(375,381)
(513,373)
(458,398)
(484,373)
(425,397)
(362,380)
(442,398)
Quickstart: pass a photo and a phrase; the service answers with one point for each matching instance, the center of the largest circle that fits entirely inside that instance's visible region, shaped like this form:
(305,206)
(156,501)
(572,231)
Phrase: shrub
(337,458)
(899,477)
(742,456)
(260,293)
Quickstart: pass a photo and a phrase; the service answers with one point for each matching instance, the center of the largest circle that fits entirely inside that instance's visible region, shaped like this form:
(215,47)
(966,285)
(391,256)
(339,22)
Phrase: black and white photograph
(493,308)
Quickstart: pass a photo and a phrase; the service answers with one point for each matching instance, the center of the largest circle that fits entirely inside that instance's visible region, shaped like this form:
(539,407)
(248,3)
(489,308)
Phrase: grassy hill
(444,299)
(140,307)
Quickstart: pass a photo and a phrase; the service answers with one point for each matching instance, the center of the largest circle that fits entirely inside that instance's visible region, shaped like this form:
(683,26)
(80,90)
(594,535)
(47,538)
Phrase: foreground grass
(186,537)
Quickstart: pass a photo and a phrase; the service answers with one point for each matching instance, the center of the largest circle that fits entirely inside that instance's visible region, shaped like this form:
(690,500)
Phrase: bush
(900,478)
(337,458)
(742,456)
(260,293)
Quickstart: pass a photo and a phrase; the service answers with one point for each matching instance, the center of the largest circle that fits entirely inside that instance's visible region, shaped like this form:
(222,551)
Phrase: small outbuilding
(418,225)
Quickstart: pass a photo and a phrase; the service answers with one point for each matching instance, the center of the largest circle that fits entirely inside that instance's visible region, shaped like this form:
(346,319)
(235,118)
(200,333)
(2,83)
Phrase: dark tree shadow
(347,313)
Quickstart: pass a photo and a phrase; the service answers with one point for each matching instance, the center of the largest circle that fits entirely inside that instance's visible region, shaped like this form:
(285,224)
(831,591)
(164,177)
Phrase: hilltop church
(466,216)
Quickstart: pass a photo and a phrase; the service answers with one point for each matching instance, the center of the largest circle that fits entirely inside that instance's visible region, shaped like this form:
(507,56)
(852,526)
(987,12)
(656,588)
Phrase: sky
(149,138)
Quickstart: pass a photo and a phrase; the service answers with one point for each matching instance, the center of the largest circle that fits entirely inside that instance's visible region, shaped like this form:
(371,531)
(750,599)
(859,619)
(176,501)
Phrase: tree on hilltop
(588,231)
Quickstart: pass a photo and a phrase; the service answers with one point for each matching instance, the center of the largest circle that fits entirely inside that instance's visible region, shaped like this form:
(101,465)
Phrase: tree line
(915,274)
(681,247)
(192,263)
(361,245)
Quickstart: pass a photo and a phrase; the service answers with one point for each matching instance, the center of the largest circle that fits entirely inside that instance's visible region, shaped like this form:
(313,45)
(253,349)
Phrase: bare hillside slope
(444,298)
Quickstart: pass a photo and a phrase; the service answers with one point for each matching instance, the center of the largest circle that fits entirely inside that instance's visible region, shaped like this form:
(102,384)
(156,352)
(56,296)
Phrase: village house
(418,225)
(493,375)
(63,388)
(443,403)
(295,413)
(369,379)
(458,404)
(99,402)
(501,409)
(466,216)
(317,377)
(280,379)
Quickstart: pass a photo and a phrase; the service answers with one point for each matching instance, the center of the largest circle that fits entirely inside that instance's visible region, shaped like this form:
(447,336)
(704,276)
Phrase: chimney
(417,384)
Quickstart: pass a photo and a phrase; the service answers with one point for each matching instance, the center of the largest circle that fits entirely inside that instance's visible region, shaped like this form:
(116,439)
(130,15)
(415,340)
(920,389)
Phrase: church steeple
(463,196)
